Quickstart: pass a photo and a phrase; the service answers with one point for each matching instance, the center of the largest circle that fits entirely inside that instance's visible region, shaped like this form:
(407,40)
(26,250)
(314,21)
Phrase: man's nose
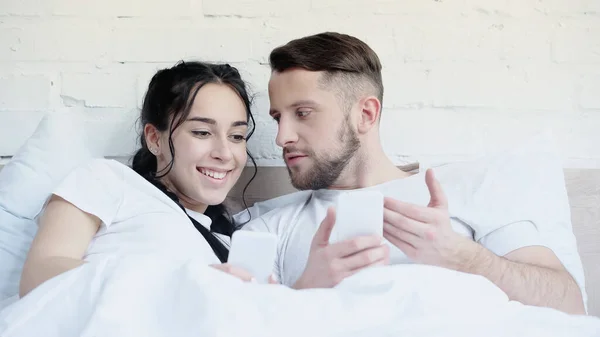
(286,133)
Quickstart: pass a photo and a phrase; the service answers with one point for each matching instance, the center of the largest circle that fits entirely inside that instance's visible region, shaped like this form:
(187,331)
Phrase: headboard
(583,187)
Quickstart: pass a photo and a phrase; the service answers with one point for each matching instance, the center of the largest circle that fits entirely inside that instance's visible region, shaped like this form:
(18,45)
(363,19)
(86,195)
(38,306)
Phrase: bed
(172,305)
(156,296)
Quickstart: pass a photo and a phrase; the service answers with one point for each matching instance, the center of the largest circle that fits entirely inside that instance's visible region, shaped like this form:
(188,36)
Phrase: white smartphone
(358,213)
(255,252)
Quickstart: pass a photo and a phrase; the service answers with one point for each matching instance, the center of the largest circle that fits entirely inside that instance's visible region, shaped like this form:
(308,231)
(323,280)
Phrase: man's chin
(294,170)
(295,177)
(298,186)
(299,181)
(301,176)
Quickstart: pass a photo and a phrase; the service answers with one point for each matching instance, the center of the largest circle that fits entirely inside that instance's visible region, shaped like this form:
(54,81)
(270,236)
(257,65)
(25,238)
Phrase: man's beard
(327,168)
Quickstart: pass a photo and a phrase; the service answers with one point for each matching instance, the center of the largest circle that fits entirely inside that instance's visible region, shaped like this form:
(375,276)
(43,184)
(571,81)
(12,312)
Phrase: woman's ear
(152,136)
(370,110)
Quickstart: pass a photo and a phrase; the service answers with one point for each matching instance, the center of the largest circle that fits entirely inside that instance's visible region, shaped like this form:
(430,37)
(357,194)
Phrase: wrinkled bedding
(155,296)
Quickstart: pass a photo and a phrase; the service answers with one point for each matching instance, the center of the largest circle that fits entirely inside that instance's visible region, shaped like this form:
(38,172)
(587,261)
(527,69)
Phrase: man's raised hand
(328,264)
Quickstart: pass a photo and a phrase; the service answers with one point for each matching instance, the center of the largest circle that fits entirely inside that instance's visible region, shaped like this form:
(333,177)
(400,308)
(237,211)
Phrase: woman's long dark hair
(169,97)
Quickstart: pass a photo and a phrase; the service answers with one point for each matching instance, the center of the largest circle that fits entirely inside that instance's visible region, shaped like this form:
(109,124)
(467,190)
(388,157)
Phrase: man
(326,95)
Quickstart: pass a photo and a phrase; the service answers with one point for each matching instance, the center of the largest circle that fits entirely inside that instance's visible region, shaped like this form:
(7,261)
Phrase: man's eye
(303,113)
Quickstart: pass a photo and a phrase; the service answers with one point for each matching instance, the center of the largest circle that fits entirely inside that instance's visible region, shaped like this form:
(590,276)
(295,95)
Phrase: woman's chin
(213,200)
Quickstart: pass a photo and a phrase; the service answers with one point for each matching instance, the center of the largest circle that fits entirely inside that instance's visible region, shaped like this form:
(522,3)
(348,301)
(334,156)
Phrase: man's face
(317,136)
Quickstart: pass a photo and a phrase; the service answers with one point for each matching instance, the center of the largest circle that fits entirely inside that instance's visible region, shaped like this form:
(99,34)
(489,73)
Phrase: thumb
(437,195)
(273,280)
(322,235)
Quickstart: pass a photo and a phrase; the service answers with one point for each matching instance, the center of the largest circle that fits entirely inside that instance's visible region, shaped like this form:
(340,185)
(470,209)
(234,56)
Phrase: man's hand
(328,264)
(424,234)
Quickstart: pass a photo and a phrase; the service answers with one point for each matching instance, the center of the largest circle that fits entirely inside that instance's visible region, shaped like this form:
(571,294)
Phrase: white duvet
(153,296)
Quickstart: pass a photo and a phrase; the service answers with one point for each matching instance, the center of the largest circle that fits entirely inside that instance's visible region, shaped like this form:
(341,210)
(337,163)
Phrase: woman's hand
(240,273)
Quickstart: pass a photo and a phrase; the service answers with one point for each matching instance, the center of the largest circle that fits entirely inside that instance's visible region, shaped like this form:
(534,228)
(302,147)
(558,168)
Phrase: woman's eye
(238,138)
(201,133)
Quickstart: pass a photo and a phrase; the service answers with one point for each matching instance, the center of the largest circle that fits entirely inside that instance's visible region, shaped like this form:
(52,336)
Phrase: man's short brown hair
(346,60)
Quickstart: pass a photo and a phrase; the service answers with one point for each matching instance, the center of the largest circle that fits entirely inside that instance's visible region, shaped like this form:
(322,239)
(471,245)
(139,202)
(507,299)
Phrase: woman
(196,120)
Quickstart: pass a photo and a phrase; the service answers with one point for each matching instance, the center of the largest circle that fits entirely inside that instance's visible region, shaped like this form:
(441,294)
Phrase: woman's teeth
(213,174)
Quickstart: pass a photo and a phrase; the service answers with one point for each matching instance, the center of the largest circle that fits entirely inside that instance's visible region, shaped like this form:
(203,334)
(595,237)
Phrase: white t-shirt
(137,218)
(205,221)
(503,205)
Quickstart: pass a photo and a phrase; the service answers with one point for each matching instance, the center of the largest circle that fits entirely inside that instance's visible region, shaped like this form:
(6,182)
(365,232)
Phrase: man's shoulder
(273,218)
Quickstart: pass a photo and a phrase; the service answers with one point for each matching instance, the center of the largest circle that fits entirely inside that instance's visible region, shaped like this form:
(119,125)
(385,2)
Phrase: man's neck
(369,167)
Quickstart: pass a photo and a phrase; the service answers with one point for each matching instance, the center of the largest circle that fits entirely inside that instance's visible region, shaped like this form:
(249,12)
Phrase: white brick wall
(461,77)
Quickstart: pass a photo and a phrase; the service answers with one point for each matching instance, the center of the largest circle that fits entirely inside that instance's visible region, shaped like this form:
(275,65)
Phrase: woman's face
(210,148)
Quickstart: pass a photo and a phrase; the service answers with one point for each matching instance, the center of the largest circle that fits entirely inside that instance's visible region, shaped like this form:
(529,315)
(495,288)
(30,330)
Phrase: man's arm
(530,275)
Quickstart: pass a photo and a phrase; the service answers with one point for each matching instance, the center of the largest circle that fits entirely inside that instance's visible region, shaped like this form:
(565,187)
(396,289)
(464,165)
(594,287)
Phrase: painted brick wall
(461,76)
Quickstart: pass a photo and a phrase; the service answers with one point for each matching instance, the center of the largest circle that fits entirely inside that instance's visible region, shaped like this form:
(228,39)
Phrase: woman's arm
(63,236)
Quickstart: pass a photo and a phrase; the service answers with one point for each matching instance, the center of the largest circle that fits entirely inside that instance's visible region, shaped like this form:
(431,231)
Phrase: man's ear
(152,136)
(370,110)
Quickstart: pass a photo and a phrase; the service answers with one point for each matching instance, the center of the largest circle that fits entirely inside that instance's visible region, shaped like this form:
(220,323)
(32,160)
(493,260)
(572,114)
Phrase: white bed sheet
(153,296)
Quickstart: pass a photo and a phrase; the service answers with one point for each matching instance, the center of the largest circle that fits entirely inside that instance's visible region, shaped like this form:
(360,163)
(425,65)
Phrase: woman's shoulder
(100,165)
(105,168)
(96,175)
(122,179)
(104,174)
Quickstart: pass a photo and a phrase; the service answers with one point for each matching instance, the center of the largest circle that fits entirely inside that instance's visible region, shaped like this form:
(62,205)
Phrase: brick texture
(461,77)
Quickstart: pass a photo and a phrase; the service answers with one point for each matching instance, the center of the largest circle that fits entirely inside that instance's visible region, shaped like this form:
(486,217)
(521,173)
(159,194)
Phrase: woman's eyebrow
(203,120)
(214,122)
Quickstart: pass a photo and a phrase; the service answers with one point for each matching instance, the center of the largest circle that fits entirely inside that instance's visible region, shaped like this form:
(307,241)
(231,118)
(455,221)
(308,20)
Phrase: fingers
(406,248)
(352,246)
(366,258)
(240,273)
(429,214)
(382,262)
(415,212)
(324,231)
(273,280)
(402,223)
(235,271)
(399,234)
(438,197)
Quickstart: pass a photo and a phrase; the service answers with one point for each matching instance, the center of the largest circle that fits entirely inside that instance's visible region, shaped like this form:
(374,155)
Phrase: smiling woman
(210,139)
(196,120)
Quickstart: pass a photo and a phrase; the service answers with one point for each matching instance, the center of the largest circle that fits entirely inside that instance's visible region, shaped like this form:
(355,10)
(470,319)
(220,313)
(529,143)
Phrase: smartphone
(358,213)
(255,252)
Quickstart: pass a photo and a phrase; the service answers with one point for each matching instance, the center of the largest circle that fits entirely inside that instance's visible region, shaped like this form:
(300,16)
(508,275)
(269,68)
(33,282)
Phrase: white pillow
(58,144)
(16,235)
(527,177)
